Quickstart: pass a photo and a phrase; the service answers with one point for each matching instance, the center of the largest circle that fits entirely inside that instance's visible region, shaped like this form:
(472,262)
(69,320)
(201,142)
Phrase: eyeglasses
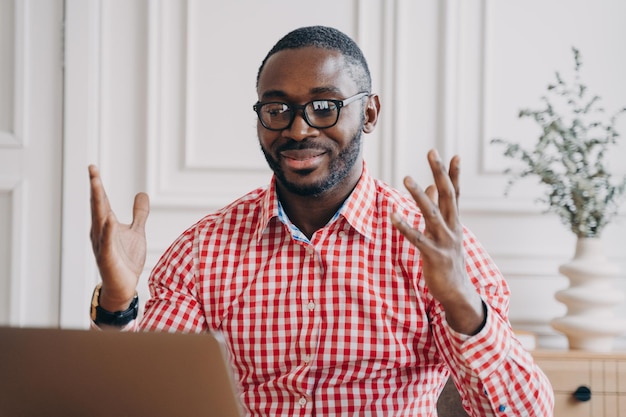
(319,114)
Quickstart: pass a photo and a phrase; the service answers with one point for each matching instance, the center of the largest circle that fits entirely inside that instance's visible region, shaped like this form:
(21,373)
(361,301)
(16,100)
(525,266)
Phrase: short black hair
(327,38)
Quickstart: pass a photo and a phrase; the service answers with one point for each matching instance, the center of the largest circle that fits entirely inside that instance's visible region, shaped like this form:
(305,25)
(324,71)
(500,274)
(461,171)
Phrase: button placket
(308,339)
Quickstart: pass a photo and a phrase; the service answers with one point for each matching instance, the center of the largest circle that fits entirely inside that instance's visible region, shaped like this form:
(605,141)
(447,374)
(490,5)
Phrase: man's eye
(321,105)
(276,110)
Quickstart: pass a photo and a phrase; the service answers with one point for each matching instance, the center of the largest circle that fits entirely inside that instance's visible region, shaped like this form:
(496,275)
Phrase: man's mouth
(299,159)
(302,154)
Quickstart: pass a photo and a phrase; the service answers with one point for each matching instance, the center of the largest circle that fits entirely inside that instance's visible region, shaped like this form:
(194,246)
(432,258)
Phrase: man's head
(326,38)
(314,104)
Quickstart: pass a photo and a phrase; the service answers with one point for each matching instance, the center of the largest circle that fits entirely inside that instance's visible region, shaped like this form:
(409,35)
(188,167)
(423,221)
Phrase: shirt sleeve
(174,304)
(494,373)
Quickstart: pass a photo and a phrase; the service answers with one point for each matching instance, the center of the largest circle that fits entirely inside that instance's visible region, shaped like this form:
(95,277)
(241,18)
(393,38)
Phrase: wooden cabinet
(603,376)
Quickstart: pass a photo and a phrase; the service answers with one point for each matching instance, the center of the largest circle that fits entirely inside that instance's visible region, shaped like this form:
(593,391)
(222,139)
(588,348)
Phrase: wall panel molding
(13,298)
(179,174)
(82,113)
(12,135)
(195,159)
(494,81)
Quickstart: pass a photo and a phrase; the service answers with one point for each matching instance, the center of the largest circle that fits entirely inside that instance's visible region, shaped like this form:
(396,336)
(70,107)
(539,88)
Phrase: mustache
(293,145)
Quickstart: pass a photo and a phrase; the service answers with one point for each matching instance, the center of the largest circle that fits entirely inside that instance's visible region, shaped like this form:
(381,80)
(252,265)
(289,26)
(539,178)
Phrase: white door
(31,103)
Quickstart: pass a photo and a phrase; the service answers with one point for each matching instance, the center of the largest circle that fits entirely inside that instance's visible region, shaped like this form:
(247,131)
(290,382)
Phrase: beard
(339,168)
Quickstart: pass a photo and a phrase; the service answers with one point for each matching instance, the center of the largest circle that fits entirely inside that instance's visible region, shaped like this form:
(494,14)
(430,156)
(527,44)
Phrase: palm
(125,255)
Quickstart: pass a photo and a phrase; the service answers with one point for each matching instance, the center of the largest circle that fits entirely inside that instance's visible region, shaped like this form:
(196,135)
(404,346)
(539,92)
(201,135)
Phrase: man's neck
(311,213)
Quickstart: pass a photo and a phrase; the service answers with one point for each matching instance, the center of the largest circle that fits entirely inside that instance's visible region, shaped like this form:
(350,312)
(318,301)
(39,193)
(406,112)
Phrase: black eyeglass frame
(294,108)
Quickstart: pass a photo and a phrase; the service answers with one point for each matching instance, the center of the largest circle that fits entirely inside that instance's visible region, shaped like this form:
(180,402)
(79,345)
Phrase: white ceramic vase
(590,323)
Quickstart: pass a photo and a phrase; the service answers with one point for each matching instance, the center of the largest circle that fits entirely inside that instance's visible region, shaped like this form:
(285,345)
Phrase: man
(336,294)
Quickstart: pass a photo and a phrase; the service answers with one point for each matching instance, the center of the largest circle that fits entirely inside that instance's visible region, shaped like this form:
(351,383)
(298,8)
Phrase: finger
(427,206)
(431,192)
(141,209)
(100,206)
(445,188)
(413,235)
(454,174)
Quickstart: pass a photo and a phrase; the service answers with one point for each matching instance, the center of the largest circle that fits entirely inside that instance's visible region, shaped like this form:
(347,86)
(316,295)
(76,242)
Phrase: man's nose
(300,129)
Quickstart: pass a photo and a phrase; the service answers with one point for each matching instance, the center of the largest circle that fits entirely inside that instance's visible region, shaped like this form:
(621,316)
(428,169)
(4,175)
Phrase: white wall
(31,144)
(142,78)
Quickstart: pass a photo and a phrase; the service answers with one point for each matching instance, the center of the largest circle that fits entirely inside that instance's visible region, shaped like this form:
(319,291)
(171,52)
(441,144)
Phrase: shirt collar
(269,210)
(358,209)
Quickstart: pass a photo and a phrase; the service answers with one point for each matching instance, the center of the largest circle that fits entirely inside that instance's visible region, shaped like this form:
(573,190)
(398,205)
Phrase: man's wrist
(102,316)
(482,325)
(114,301)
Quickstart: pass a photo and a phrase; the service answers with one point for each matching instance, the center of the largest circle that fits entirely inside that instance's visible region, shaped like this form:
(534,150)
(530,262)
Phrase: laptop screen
(54,372)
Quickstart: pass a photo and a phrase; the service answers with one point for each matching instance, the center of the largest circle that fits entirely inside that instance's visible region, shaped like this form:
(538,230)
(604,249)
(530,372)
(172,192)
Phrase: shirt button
(502,407)
(302,402)
(311,306)
(306,358)
(341,234)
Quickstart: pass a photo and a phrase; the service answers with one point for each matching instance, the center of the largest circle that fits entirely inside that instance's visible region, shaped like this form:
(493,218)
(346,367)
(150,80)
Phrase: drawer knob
(582,393)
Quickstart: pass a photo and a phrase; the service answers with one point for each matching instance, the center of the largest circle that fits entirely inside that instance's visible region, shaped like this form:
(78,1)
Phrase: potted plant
(570,160)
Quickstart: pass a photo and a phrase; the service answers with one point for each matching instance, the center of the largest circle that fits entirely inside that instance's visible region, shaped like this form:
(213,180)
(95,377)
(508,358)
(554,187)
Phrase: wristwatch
(118,318)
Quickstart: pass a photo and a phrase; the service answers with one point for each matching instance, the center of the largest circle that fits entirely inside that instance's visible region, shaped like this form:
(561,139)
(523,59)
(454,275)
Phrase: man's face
(309,161)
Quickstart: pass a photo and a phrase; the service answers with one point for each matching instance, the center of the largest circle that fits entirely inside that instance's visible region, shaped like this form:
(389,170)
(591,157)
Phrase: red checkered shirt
(342,324)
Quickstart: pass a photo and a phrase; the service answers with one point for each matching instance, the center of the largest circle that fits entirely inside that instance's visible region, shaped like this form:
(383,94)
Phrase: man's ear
(372,110)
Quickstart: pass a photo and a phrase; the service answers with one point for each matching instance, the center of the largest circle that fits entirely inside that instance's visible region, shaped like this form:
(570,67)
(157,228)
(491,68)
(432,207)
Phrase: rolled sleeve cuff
(485,351)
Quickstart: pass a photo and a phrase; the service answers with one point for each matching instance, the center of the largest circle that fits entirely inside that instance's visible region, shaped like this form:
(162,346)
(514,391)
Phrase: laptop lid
(88,373)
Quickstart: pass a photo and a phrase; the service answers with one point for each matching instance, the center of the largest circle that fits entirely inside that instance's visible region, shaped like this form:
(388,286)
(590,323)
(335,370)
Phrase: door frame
(80,148)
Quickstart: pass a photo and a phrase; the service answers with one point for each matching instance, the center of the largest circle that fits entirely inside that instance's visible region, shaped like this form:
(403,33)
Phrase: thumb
(141,209)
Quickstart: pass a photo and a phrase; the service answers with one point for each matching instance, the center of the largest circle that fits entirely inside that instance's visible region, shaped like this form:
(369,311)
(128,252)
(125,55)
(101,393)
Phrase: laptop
(89,373)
